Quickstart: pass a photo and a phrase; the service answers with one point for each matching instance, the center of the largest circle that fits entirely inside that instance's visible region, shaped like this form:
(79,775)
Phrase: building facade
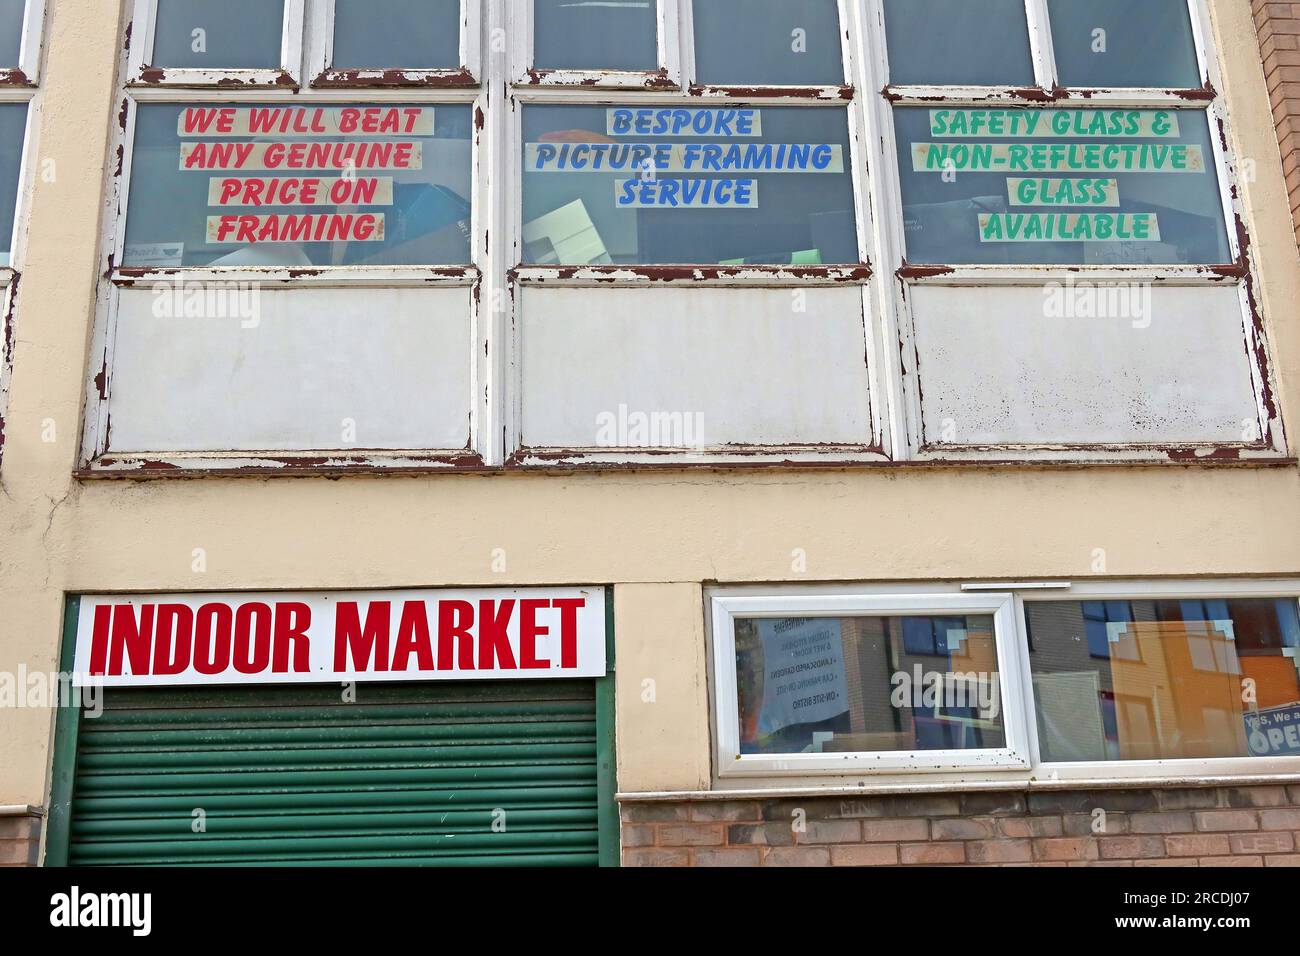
(683,432)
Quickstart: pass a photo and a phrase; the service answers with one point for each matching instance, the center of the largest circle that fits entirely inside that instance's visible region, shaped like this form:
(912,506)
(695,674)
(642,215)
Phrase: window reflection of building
(1177,681)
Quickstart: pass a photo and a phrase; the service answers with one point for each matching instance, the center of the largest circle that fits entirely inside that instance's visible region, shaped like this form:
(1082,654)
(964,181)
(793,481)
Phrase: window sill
(342,464)
(1020,783)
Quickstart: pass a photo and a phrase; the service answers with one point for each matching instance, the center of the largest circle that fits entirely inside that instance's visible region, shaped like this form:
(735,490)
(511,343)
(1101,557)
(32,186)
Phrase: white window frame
(142,72)
(895,302)
(20,84)
(97,459)
(612,90)
(726,608)
(324,74)
(771,772)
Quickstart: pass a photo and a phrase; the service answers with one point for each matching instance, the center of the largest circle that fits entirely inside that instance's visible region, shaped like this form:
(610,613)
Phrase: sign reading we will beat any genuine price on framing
(290,637)
(301,156)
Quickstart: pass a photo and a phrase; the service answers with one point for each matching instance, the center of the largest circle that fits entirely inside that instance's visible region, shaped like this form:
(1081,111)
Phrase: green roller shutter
(441,774)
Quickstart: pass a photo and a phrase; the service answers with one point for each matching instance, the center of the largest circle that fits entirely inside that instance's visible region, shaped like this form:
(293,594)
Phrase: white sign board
(294,637)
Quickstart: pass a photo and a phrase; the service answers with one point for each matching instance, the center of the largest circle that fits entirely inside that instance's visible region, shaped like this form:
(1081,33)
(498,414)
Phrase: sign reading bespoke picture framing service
(650,184)
(289,637)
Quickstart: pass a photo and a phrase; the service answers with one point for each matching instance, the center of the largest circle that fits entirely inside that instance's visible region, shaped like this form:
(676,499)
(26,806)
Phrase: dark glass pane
(13,125)
(1106,43)
(958,42)
(866,684)
(233,34)
(574,35)
(11,31)
(396,34)
(768,42)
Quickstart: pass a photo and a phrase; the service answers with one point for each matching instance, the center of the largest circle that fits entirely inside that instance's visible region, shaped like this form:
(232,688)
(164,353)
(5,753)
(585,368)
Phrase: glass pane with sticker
(1165,679)
(231,35)
(578,35)
(1059,186)
(280,185)
(768,43)
(1113,43)
(716,185)
(13,125)
(396,34)
(11,32)
(958,42)
(868,684)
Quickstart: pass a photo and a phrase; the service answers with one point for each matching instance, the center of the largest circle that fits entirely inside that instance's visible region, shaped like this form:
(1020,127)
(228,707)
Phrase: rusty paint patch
(923,271)
(845,93)
(389,79)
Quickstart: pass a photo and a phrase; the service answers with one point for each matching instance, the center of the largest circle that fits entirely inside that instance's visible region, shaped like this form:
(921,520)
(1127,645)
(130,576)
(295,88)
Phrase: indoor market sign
(1089,146)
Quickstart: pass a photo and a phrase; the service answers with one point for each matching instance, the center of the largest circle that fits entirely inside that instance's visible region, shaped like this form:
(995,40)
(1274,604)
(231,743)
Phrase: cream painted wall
(657,535)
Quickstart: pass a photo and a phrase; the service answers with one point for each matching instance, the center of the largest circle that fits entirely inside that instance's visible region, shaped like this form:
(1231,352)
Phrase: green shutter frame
(436,774)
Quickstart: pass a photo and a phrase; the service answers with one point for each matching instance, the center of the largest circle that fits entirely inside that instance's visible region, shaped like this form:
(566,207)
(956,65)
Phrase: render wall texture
(657,535)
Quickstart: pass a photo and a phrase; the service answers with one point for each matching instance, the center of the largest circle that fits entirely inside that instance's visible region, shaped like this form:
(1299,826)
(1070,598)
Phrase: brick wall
(1278,25)
(1226,826)
(20,840)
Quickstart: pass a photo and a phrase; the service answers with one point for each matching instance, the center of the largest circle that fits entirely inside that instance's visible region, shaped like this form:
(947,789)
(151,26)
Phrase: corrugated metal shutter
(409,774)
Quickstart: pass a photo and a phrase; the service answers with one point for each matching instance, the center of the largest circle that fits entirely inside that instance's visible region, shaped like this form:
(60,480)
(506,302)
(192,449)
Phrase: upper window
(595,36)
(958,42)
(1113,43)
(235,34)
(767,43)
(396,34)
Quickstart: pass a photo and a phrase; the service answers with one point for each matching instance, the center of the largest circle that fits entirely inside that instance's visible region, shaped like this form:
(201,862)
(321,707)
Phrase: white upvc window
(962,684)
(689,232)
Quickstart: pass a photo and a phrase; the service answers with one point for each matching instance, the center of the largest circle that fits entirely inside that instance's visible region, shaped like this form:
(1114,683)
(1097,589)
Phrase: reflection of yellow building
(1181,689)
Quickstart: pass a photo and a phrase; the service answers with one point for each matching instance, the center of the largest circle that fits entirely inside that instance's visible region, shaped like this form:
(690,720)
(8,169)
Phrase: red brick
(959,829)
(1197,845)
(653,812)
(895,831)
(999,851)
(1065,848)
(655,858)
(697,834)
(830,831)
(872,854)
(1288,819)
(725,811)
(711,856)
(638,835)
(1020,827)
(1131,847)
(1284,859)
(1232,861)
(932,854)
(1217,821)
(1168,822)
(17,852)
(1248,843)
(797,856)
